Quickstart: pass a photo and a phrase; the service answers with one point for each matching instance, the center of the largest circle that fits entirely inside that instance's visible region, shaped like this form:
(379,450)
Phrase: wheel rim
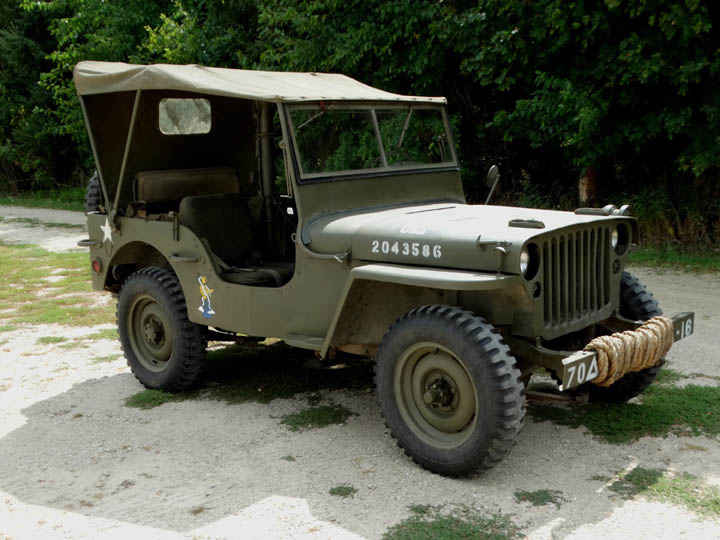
(150,335)
(435,395)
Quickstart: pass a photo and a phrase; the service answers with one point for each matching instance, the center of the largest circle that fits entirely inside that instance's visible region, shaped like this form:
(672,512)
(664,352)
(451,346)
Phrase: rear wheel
(163,348)
(449,390)
(636,303)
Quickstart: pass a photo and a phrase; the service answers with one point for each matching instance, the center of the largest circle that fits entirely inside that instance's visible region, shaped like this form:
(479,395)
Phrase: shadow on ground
(193,461)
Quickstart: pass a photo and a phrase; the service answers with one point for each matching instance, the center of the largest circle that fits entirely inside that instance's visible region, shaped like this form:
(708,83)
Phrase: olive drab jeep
(316,209)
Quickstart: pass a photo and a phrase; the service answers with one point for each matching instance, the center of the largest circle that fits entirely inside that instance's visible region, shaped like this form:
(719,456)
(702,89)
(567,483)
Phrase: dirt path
(45,215)
(76,462)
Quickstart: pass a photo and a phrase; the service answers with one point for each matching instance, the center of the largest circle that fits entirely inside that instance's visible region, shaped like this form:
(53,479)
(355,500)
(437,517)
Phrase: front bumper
(575,368)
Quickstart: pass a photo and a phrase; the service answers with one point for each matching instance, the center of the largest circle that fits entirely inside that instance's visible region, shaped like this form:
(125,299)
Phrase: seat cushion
(224,221)
(248,277)
(271,275)
(175,184)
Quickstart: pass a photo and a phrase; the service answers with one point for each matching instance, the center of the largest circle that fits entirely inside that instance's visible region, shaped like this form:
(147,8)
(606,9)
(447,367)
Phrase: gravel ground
(75,462)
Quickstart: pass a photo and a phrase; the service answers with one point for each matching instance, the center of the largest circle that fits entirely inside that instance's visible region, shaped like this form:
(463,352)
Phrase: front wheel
(163,348)
(449,390)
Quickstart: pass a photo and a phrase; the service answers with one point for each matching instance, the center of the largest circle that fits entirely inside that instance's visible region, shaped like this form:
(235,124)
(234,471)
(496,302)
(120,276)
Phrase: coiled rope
(632,350)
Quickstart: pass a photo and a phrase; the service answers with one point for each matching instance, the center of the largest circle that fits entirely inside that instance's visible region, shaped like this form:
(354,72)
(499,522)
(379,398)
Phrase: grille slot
(576,274)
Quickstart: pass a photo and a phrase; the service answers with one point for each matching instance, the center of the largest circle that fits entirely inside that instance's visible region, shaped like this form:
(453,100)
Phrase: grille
(576,275)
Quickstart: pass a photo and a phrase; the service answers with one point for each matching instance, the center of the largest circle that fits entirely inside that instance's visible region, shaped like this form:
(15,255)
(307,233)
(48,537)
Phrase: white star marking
(107,231)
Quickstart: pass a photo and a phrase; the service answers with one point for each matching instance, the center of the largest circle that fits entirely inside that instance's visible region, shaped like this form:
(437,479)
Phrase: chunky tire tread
(504,380)
(187,362)
(93,195)
(637,303)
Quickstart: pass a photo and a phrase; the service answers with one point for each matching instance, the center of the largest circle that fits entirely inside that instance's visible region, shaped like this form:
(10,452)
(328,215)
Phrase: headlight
(530,261)
(524,261)
(620,239)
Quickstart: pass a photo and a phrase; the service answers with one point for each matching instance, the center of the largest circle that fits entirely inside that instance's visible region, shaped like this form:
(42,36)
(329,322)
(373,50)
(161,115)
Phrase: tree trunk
(587,187)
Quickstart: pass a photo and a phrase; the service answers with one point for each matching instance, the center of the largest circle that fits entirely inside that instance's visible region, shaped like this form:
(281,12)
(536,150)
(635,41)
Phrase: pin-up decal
(206,307)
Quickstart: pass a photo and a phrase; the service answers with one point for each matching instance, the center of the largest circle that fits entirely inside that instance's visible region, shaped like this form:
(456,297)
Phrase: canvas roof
(276,86)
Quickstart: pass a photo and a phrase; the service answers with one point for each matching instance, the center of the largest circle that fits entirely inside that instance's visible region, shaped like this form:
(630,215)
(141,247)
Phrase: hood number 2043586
(407,249)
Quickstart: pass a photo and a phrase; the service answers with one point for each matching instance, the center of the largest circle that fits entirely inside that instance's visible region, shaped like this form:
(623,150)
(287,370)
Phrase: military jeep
(309,207)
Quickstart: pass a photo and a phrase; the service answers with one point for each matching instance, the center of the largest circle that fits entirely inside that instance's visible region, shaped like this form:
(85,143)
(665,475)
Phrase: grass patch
(317,417)
(147,399)
(438,523)
(46,340)
(7,328)
(107,333)
(62,199)
(689,447)
(24,269)
(343,490)
(600,478)
(541,497)
(674,258)
(71,345)
(105,359)
(669,376)
(683,490)
(693,410)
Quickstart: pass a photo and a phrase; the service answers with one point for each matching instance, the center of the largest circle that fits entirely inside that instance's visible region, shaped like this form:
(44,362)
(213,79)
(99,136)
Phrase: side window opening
(184,116)
(280,183)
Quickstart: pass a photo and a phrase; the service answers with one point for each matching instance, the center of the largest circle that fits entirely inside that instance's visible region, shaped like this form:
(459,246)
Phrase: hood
(446,235)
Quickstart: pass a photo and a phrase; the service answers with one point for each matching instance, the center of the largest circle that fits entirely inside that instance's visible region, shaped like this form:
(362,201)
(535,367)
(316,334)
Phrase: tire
(636,303)
(163,348)
(93,195)
(472,393)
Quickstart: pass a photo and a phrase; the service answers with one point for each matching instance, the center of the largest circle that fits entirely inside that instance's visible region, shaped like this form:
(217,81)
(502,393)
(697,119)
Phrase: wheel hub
(441,393)
(150,333)
(154,331)
(436,394)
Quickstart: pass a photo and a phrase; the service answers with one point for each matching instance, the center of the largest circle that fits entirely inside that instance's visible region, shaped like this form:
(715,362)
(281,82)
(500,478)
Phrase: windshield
(350,139)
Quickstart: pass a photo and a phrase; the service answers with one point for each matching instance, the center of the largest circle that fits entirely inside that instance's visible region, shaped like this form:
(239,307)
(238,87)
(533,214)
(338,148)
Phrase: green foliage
(61,199)
(547,88)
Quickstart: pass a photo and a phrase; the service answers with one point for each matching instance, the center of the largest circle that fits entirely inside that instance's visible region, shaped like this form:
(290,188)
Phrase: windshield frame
(384,170)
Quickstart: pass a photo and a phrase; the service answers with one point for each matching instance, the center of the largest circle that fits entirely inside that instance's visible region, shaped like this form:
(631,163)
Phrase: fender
(428,278)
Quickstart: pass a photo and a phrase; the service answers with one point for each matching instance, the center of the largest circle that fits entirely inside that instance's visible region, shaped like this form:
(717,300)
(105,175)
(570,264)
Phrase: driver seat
(224,224)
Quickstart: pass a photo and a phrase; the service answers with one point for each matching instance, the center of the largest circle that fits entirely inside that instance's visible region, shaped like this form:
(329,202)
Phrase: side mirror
(493,177)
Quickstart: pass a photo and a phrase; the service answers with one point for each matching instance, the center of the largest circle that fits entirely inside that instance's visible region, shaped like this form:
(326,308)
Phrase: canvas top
(276,86)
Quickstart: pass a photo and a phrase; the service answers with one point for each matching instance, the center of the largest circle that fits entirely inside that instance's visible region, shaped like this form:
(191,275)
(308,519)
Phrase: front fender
(437,279)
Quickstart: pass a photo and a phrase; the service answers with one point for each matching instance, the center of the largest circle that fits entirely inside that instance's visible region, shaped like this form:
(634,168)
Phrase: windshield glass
(345,139)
